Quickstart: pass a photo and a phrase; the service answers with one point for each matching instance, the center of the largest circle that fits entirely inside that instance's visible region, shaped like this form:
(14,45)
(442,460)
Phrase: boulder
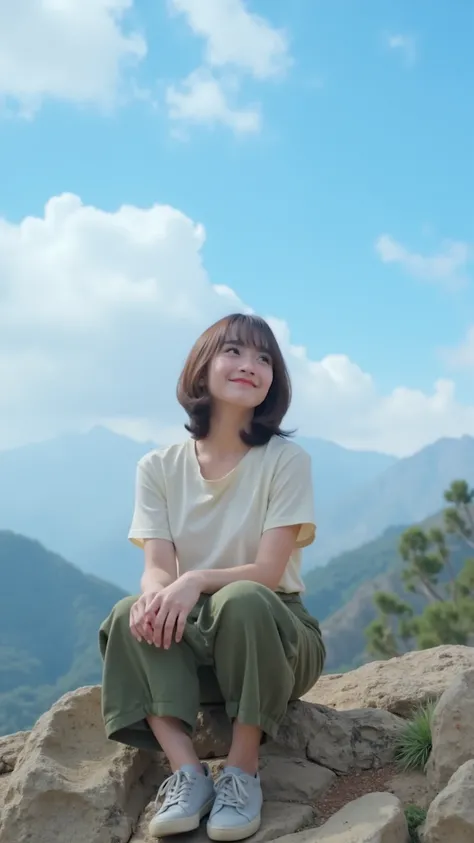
(451,815)
(452,731)
(340,741)
(70,783)
(375,818)
(399,685)
(293,779)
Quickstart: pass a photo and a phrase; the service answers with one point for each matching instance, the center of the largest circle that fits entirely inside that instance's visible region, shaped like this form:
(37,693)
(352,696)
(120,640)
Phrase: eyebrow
(260,348)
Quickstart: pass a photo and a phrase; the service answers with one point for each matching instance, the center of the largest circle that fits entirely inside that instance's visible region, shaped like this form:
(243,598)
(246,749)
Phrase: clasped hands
(158,617)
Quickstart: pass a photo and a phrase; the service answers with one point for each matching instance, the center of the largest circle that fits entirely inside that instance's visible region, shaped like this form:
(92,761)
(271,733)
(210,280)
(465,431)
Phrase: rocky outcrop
(64,782)
(399,685)
(71,785)
(452,731)
(451,815)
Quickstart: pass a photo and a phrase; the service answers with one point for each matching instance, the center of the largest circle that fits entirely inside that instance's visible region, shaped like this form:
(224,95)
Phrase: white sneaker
(236,813)
(186,797)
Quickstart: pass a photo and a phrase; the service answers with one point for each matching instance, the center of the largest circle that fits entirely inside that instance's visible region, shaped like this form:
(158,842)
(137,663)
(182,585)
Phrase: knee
(244,598)
(120,614)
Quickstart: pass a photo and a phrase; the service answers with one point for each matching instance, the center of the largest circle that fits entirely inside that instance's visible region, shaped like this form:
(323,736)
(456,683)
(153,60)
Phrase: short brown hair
(192,391)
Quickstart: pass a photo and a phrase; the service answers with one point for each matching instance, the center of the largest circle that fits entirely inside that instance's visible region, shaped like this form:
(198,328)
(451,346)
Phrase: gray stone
(450,818)
(70,784)
(375,818)
(452,731)
(293,779)
(340,741)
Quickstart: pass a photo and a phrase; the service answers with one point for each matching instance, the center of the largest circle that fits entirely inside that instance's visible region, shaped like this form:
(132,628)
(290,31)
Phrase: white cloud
(236,41)
(235,36)
(448,267)
(201,98)
(405,45)
(71,50)
(461,357)
(98,310)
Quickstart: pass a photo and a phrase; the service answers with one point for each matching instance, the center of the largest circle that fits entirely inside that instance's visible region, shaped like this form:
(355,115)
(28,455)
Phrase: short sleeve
(291,498)
(150,515)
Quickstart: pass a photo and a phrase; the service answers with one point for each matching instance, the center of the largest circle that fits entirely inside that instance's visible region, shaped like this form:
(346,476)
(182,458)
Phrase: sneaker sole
(166,828)
(226,835)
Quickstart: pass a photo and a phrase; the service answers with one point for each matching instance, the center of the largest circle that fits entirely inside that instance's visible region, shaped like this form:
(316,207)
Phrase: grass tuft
(415,742)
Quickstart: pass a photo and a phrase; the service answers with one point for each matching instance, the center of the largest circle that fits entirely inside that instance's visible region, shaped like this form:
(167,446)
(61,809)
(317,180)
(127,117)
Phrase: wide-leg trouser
(245,646)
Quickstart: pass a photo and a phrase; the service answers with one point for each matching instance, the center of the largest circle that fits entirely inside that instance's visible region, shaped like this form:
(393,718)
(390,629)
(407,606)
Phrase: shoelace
(231,791)
(174,789)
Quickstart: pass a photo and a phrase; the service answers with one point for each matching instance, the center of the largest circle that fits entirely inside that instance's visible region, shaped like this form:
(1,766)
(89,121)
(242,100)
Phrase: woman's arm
(160,571)
(274,551)
(160,565)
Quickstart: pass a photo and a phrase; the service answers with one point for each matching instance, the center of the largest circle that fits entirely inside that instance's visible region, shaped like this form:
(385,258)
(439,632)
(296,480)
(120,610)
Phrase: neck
(224,431)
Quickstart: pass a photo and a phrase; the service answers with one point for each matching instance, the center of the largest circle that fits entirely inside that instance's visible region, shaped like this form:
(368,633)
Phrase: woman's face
(240,375)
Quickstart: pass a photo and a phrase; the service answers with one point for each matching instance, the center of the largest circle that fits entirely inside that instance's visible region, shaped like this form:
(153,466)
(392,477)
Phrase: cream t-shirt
(219,523)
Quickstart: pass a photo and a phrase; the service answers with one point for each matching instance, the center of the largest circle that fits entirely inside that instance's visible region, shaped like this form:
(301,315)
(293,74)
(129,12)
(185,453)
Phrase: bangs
(250,331)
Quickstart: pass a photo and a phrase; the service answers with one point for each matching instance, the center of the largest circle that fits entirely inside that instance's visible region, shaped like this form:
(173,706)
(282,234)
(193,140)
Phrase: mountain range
(406,492)
(75,493)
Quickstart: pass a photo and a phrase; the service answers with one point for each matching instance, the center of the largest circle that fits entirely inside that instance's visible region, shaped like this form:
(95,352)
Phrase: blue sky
(365,130)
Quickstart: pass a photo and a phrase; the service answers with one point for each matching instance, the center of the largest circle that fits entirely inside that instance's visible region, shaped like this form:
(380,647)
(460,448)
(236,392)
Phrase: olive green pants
(244,646)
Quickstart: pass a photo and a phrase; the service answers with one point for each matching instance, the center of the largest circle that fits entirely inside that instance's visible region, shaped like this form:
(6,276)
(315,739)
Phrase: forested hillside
(49,618)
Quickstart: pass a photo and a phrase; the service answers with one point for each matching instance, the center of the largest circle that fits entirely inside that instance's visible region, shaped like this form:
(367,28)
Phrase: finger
(152,609)
(148,631)
(180,626)
(139,625)
(169,628)
(133,623)
(153,603)
(158,626)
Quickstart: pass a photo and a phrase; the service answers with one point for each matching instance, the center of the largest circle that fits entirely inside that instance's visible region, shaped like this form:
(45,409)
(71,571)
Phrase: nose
(247,365)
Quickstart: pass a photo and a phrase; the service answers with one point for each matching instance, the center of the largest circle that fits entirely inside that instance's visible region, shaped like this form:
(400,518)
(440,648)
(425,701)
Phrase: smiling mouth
(244,381)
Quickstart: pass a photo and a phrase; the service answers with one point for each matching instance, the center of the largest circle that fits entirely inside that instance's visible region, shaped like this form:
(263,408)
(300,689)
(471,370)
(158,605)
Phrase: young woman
(221,518)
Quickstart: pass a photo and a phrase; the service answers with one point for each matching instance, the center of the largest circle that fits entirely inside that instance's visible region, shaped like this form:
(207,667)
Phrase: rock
(10,748)
(375,818)
(411,788)
(340,741)
(452,731)
(70,784)
(451,815)
(278,819)
(293,779)
(399,685)
(213,732)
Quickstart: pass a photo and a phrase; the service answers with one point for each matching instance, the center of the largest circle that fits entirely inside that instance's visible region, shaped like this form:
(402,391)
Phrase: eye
(266,359)
(232,348)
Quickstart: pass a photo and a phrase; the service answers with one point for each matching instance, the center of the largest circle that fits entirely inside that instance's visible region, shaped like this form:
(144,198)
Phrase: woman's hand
(142,616)
(172,606)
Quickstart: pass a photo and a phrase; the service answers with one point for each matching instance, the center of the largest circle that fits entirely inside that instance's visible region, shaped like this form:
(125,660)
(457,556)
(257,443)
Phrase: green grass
(415,816)
(414,743)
